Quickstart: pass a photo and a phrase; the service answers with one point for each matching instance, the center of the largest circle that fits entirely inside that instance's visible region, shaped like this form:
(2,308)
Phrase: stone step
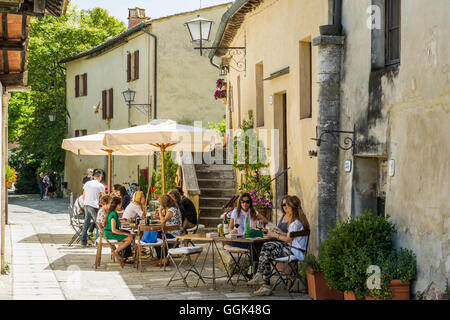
(217,192)
(213,201)
(211,211)
(216,183)
(221,174)
(210,222)
(213,167)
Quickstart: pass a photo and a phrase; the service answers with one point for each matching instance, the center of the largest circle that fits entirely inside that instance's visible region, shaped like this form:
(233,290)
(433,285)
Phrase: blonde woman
(285,246)
(135,208)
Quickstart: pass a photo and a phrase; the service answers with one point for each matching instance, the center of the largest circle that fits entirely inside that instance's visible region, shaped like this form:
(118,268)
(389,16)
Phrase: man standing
(92,192)
(41,184)
(89,176)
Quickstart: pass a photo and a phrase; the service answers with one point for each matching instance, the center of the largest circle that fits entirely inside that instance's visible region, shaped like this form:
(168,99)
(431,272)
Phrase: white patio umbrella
(165,135)
(93,145)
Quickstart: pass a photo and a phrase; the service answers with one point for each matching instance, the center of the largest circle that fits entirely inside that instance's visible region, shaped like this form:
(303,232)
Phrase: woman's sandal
(119,259)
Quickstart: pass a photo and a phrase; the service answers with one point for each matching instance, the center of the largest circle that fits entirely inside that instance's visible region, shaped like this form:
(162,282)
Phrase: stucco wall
(273,33)
(409,125)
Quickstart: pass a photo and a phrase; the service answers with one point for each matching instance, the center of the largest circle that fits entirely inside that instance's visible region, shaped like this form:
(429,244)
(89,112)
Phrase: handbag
(149,236)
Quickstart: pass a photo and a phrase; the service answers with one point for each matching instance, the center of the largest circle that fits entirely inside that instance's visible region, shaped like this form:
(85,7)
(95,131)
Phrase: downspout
(337,12)
(155,73)
(155,85)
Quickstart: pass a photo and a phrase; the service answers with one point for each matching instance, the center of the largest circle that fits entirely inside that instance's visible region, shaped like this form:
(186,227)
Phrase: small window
(259,77)
(133,66)
(77,86)
(393,31)
(77,133)
(305,80)
(84,78)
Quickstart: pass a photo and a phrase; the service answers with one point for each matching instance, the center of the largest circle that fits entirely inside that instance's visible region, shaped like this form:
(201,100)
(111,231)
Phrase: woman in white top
(135,208)
(285,246)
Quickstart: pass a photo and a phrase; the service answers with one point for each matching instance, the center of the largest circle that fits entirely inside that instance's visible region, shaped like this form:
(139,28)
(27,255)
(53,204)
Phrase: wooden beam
(5,26)
(5,61)
(12,45)
(39,6)
(16,79)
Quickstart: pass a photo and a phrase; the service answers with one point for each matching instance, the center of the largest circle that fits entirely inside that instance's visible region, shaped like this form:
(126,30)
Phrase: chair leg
(98,257)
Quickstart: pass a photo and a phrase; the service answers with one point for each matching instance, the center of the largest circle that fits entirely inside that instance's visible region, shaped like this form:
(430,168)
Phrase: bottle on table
(225,225)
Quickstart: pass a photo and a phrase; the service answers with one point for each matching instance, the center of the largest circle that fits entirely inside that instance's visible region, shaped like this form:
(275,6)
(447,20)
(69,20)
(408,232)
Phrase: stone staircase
(217,184)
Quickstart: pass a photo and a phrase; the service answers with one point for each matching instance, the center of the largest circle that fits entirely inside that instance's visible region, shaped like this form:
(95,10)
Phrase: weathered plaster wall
(403,114)
(273,33)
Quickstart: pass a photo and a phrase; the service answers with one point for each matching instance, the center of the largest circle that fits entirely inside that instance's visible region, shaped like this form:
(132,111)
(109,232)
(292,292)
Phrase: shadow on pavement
(53,206)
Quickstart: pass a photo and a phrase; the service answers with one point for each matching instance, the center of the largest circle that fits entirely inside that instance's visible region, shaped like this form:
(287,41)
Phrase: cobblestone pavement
(44,267)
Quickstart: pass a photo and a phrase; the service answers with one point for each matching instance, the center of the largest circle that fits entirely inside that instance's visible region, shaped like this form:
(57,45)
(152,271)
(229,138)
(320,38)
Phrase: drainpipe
(155,84)
(331,50)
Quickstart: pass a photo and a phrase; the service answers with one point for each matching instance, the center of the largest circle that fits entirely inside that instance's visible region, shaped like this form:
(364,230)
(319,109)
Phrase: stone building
(362,75)
(154,58)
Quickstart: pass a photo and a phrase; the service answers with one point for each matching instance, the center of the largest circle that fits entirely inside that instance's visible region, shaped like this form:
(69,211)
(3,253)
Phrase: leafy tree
(51,40)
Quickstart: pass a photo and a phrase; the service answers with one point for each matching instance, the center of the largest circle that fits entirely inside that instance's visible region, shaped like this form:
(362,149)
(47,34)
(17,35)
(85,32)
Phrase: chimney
(136,16)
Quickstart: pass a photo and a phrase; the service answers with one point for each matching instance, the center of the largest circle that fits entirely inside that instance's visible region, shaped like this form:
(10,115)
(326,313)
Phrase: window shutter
(85,84)
(104,104)
(129,67)
(136,64)
(77,133)
(111,110)
(77,86)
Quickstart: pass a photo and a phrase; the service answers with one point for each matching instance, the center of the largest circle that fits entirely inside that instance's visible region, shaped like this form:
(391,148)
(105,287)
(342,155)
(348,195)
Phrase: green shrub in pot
(343,248)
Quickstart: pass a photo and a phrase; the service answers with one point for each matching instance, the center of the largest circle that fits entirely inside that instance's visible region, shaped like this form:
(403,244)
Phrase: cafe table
(252,243)
(212,245)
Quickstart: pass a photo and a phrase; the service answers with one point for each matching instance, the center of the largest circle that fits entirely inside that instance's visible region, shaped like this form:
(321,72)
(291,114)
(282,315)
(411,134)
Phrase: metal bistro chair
(111,244)
(185,254)
(141,244)
(76,224)
(240,252)
(289,265)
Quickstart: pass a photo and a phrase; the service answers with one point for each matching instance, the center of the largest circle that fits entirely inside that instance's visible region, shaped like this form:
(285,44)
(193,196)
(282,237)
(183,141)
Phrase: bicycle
(132,188)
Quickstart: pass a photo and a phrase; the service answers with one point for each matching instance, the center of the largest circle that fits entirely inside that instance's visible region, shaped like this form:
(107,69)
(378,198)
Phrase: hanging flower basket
(221,94)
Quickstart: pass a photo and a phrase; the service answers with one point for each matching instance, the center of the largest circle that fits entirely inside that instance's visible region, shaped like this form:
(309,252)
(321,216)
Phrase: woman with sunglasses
(284,247)
(243,211)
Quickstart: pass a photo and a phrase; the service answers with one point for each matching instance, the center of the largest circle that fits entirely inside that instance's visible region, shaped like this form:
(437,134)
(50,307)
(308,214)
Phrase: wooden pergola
(14,30)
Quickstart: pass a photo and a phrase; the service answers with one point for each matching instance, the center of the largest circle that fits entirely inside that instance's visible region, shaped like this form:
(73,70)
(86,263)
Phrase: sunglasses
(284,204)
(246,201)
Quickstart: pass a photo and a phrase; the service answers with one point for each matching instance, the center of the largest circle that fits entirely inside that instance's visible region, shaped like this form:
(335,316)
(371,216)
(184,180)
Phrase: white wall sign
(348,165)
(271,99)
(391,167)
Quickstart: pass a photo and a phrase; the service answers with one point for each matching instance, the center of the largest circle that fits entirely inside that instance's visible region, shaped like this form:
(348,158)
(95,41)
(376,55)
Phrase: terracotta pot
(224,100)
(318,287)
(350,295)
(157,195)
(400,290)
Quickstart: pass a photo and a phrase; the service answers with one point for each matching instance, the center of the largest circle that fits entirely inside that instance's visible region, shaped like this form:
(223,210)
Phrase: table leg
(214,265)
(203,266)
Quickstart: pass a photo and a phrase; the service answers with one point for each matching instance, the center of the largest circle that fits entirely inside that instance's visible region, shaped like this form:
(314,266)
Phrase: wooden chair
(111,244)
(286,268)
(140,244)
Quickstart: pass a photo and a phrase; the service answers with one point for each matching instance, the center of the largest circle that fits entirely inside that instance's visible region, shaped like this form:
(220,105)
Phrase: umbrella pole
(149,183)
(109,171)
(163,149)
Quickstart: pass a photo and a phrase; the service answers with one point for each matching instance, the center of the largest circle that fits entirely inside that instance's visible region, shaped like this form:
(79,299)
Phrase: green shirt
(108,233)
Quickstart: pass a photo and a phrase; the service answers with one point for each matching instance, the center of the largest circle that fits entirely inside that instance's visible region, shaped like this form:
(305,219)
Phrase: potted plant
(398,269)
(221,84)
(318,288)
(222,95)
(342,249)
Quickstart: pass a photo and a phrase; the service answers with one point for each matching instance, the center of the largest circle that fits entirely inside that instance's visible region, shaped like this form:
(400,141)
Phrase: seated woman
(126,199)
(283,223)
(112,229)
(104,203)
(135,208)
(187,209)
(286,246)
(170,215)
(243,211)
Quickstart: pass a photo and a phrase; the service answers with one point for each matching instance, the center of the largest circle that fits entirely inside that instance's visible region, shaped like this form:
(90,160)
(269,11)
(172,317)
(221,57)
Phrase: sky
(153,8)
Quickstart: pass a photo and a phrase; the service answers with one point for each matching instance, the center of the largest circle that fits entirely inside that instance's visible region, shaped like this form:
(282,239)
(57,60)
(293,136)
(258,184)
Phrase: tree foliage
(52,39)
